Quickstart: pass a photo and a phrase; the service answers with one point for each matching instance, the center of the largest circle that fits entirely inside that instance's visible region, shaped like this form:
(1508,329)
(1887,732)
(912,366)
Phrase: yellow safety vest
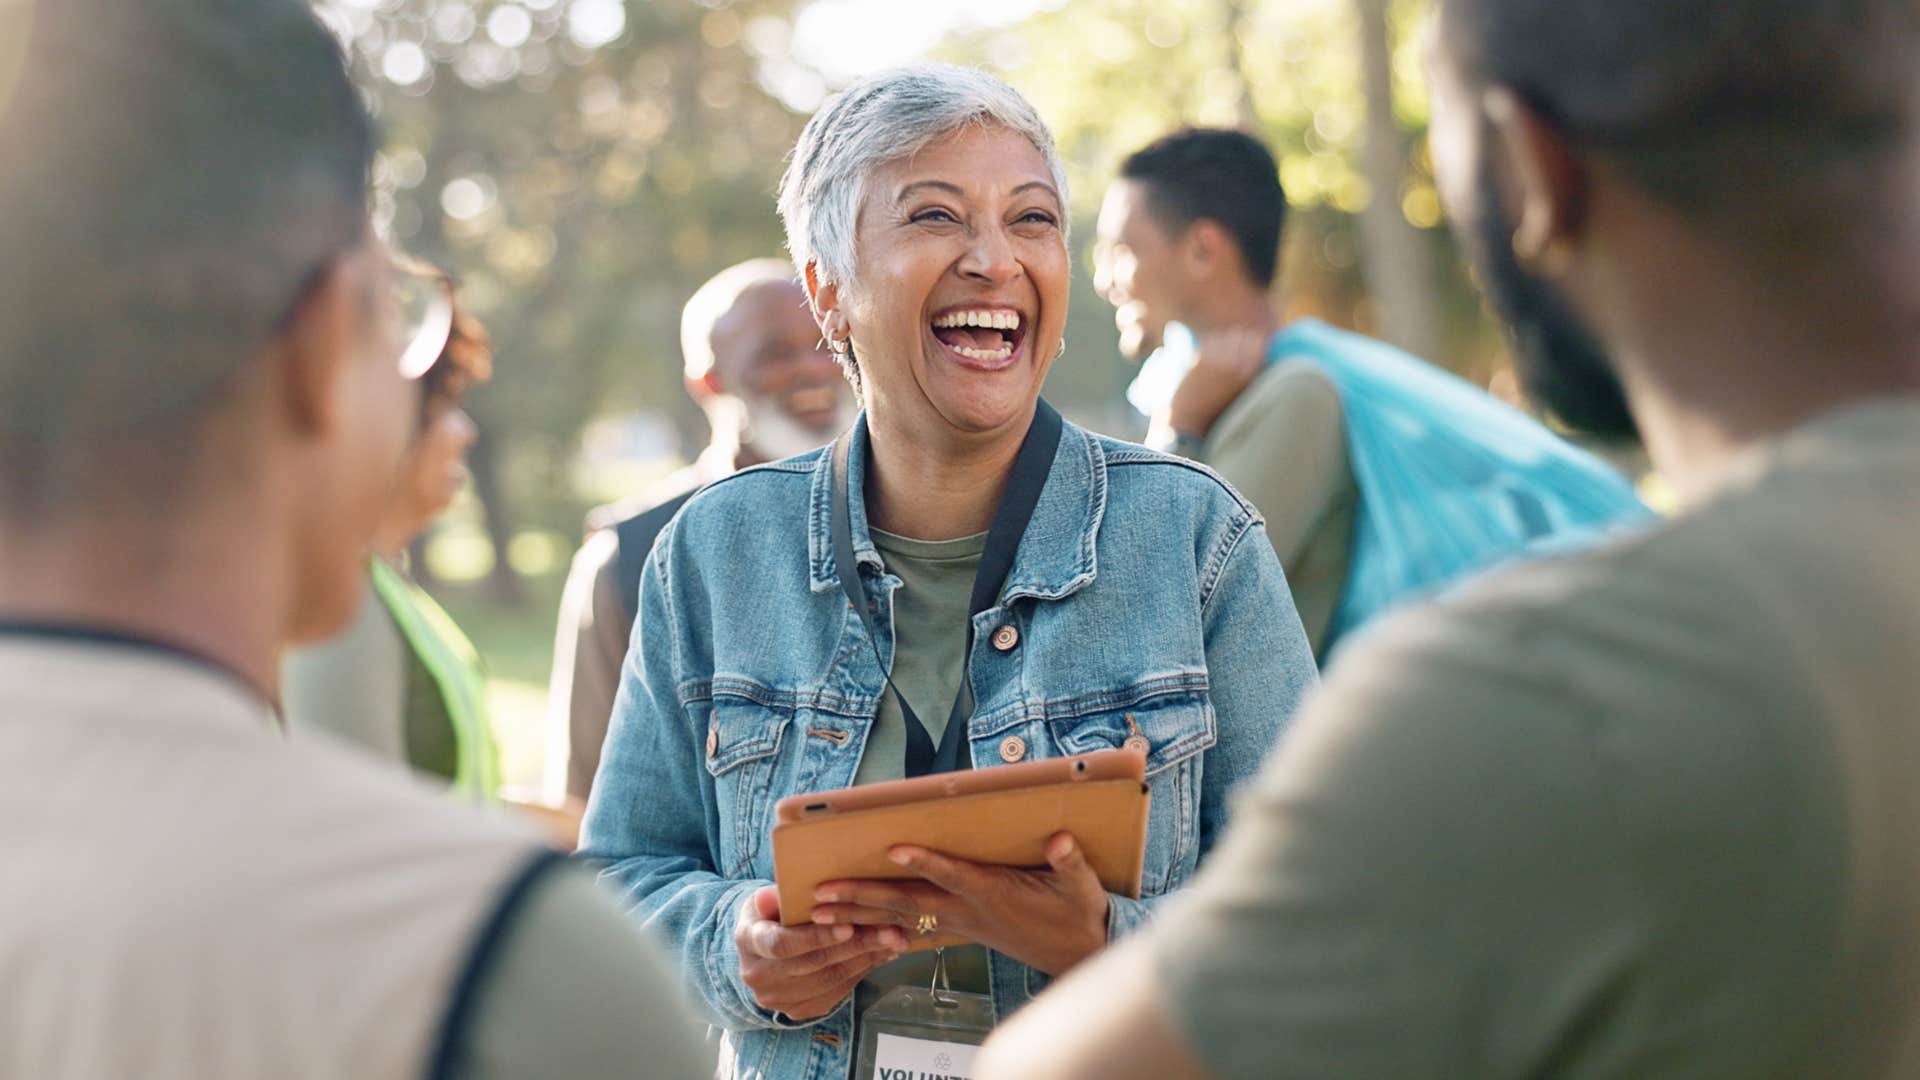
(450,658)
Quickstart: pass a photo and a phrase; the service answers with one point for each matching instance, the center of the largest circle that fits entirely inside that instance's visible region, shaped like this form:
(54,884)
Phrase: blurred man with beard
(1649,810)
(770,389)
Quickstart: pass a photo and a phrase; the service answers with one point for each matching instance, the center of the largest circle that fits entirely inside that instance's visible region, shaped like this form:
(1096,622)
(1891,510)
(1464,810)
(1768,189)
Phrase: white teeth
(985,355)
(991,320)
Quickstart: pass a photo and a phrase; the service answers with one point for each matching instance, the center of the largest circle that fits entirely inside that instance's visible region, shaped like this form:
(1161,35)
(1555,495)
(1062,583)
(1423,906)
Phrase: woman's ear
(1546,183)
(824,298)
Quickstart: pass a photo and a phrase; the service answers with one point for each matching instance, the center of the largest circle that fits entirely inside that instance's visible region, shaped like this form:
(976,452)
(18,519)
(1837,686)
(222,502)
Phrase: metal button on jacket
(1138,744)
(1012,749)
(713,742)
(1006,638)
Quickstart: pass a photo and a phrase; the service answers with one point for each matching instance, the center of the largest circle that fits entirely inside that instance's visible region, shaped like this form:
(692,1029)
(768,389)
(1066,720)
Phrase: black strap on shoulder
(1029,477)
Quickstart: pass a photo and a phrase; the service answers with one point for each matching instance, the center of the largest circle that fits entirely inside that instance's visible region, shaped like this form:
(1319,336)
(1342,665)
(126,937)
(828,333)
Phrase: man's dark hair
(177,173)
(1703,100)
(1216,175)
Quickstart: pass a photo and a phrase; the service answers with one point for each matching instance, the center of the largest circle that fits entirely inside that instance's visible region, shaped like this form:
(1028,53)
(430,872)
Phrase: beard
(1560,365)
(777,435)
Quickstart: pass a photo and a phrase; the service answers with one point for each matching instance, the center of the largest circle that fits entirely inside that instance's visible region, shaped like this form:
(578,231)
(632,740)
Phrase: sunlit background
(582,165)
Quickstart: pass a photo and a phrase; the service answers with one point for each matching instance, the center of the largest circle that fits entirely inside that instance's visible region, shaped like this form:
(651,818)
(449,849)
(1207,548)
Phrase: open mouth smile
(981,338)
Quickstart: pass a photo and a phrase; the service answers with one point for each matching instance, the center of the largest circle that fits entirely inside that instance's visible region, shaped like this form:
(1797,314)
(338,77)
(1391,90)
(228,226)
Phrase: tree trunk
(484,464)
(1236,15)
(1396,258)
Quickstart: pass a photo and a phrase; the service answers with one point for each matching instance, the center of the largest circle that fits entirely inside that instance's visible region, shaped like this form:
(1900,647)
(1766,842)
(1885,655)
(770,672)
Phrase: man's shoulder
(1293,376)
(1140,475)
(1657,622)
(1292,412)
(759,489)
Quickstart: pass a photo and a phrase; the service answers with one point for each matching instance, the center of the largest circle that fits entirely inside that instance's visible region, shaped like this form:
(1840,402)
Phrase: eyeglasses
(412,308)
(418,310)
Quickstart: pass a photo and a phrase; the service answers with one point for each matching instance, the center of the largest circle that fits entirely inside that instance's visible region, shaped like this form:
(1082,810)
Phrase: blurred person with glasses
(402,680)
(208,383)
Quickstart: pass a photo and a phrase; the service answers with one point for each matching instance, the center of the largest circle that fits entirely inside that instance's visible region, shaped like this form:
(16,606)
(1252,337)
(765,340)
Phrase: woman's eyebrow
(960,193)
(1041,185)
(939,185)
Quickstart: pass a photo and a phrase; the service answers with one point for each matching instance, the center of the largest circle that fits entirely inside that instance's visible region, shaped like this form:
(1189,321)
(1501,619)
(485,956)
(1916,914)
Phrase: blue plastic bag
(1452,480)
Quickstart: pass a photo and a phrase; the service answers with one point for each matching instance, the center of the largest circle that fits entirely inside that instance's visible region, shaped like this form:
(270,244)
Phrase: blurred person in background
(963,581)
(402,681)
(1381,477)
(205,359)
(770,389)
(1647,810)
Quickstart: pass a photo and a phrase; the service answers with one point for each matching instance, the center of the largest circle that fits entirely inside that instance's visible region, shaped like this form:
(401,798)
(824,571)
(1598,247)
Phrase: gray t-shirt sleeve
(576,989)
(1427,880)
(353,686)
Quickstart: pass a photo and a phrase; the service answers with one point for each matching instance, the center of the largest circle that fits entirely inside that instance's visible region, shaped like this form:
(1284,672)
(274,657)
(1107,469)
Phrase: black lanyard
(1029,476)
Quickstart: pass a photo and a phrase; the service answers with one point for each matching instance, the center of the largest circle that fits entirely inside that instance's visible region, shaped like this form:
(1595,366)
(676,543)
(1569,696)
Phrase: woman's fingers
(910,898)
(967,879)
(847,977)
(876,947)
(1069,860)
(816,994)
(771,941)
(856,915)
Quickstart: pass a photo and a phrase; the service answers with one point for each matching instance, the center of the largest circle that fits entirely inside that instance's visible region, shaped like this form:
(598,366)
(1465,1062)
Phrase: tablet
(1002,815)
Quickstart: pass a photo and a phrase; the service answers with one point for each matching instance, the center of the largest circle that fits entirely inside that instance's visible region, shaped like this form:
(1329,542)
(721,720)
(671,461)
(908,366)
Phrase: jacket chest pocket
(1176,733)
(742,750)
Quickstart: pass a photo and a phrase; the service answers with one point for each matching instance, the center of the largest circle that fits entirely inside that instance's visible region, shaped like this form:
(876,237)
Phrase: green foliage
(582,165)
(579,188)
(1110,75)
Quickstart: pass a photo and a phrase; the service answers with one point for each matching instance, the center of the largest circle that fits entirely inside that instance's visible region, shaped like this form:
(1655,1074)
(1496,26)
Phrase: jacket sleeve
(652,815)
(1259,668)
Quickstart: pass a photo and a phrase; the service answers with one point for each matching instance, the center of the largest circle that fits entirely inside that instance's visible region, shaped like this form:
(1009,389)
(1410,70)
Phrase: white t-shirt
(186,894)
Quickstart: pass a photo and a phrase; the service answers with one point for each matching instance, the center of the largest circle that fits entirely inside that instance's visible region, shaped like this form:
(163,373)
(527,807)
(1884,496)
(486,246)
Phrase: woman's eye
(1037,217)
(938,216)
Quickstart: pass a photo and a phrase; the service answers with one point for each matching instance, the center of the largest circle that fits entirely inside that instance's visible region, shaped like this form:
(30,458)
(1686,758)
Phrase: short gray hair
(881,119)
(712,302)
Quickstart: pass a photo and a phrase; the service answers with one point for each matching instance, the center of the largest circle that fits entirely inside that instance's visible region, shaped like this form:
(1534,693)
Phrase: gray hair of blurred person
(179,173)
(711,302)
(882,119)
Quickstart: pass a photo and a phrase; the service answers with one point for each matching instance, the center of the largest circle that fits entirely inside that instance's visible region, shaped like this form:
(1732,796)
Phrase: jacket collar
(1057,555)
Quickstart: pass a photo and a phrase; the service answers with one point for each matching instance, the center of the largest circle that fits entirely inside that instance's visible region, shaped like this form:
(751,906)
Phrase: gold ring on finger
(927,924)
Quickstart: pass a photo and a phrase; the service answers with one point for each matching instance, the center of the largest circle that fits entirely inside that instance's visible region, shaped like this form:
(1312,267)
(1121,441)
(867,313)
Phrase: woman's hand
(806,971)
(1048,920)
(1226,364)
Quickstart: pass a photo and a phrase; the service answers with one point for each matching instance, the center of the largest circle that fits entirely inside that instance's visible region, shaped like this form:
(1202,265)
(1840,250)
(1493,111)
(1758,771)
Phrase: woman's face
(959,292)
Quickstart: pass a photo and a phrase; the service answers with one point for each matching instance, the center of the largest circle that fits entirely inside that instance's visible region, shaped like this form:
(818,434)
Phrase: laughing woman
(1124,599)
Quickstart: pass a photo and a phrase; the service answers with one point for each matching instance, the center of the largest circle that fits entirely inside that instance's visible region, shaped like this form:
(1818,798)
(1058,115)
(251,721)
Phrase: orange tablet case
(1003,815)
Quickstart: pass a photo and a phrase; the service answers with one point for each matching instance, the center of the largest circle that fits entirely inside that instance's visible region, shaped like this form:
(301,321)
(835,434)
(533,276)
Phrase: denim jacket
(1145,593)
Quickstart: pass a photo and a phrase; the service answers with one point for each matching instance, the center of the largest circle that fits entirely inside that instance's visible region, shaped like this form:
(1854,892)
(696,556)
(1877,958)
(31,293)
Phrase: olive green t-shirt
(1283,445)
(929,668)
(1645,811)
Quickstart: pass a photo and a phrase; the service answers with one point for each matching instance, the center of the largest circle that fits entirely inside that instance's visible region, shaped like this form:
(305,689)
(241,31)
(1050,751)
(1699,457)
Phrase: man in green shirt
(1189,236)
(1647,811)
(1382,477)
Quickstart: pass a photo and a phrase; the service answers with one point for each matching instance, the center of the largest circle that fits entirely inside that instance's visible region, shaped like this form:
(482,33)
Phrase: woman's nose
(990,257)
